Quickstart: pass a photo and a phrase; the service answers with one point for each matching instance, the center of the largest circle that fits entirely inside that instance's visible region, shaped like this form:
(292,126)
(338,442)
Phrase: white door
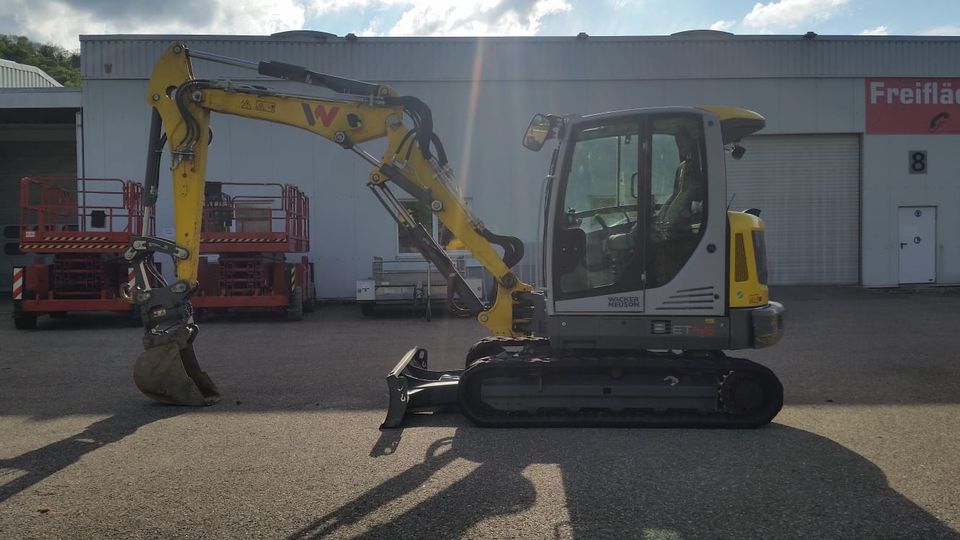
(918,254)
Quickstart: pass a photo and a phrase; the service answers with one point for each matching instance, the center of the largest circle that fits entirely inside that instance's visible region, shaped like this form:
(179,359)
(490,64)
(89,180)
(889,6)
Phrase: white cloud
(372,29)
(479,18)
(451,18)
(320,7)
(61,22)
(878,31)
(789,14)
(723,26)
(257,17)
(942,31)
(49,22)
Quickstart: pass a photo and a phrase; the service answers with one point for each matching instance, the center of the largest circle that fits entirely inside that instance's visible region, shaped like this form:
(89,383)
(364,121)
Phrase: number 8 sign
(918,162)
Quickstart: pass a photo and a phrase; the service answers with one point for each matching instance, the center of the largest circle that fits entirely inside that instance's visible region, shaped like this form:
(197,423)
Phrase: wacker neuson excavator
(649,276)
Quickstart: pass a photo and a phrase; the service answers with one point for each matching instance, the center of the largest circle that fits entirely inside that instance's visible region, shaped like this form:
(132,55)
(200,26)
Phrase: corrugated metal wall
(548,59)
(14,75)
(804,87)
(889,184)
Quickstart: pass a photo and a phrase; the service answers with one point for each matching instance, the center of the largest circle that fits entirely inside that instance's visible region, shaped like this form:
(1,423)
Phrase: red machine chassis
(77,228)
(250,227)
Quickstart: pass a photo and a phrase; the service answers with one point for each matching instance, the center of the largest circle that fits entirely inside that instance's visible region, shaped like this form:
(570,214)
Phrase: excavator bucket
(170,374)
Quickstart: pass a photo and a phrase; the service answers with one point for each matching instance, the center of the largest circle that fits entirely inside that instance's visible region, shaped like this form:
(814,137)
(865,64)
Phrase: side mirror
(538,132)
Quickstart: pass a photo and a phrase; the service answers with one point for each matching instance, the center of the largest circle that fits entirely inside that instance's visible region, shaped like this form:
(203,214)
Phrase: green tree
(59,63)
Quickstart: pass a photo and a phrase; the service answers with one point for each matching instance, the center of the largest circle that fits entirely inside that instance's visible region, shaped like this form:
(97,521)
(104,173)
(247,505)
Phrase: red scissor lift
(251,227)
(78,228)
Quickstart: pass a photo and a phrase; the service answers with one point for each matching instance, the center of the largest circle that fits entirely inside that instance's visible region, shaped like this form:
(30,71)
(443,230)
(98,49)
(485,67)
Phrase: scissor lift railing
(77,228)
(70,215)
(255,217)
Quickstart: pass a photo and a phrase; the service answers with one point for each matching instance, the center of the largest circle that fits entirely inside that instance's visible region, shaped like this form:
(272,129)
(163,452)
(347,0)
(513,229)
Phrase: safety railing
(90,214)
(255,216)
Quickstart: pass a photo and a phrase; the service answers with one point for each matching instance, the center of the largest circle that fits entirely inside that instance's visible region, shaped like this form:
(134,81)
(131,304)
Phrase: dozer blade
(170,374)
(414,388)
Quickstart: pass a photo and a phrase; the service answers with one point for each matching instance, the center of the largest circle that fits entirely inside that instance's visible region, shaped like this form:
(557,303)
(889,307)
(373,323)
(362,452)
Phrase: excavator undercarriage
(525,383)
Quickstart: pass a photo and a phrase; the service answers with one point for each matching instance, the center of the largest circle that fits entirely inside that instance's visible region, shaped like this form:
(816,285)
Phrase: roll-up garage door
(808,189)
(19,158)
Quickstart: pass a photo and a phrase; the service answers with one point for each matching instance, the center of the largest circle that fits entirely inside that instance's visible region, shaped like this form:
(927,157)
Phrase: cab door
(630,216)
(595,258)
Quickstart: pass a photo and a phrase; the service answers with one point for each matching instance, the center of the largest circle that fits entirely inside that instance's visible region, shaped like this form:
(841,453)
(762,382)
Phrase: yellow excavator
(648,275)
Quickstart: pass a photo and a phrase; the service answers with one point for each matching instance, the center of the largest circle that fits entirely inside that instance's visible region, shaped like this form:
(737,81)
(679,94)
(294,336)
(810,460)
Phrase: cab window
(599,208)
(633,207)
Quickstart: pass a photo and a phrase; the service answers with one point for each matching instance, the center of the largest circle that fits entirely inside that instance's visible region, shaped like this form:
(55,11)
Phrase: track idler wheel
(170,373)
(745,394)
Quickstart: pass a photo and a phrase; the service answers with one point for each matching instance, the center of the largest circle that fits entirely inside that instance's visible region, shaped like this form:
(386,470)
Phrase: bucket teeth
(170,374)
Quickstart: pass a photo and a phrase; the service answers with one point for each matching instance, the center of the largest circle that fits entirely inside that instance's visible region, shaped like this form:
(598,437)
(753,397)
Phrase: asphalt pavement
(867,445)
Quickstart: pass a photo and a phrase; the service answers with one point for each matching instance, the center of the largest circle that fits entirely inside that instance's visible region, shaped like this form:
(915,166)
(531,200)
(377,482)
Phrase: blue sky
(62,21)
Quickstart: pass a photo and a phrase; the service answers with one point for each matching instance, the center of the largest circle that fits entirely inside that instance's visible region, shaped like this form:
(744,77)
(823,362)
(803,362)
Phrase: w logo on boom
(326,116)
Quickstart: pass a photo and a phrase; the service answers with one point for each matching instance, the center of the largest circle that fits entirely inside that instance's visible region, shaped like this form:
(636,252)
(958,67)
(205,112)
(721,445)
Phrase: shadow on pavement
(40,463)
(776,482)
(842,347)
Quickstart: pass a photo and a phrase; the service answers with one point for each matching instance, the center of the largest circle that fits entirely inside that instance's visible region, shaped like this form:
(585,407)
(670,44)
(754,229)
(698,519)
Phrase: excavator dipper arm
(414,161)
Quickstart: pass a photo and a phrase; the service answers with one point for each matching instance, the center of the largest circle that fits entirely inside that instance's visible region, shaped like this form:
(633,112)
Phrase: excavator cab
(645,193)
(637,307)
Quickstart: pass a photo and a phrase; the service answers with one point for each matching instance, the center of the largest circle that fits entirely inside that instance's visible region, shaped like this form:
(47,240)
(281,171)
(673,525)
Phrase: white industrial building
(857,172)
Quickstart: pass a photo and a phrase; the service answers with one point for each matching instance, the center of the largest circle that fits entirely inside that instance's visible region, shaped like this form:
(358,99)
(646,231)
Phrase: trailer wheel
(25,322)
(295,308)
(21,320)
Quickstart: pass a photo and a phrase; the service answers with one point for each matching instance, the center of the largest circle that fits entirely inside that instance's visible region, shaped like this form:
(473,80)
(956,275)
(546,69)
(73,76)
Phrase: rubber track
(573,366)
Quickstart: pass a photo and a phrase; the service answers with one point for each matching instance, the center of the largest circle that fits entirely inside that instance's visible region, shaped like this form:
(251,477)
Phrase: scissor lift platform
(78,229)
(248,230)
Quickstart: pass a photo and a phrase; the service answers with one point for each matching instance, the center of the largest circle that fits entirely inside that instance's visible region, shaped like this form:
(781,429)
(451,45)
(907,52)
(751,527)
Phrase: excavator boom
(414,161)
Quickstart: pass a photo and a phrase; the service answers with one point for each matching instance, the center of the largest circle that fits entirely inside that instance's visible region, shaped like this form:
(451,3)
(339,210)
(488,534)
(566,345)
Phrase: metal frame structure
(416,283)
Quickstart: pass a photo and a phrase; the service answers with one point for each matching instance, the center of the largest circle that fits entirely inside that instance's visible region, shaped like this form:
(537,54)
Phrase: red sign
(912,106)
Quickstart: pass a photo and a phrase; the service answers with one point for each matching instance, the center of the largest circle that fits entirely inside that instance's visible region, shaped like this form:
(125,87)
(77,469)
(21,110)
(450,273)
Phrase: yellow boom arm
(184,105)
